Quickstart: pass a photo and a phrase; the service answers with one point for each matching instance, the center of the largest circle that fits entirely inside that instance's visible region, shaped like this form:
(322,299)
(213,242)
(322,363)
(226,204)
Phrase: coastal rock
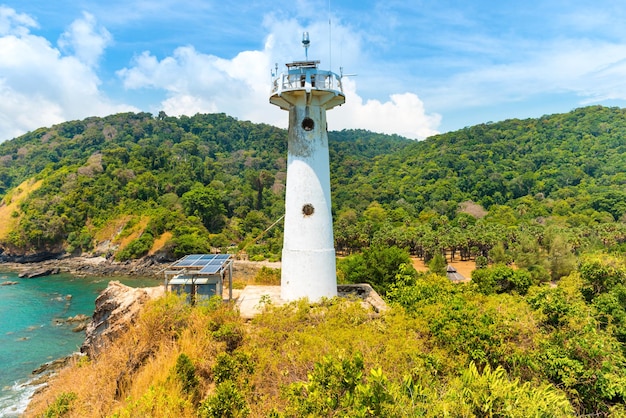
(39,272)
(79,321)
(8,283)
(52,366)
(78,318)
(117,308)
(29,258)
(82,266)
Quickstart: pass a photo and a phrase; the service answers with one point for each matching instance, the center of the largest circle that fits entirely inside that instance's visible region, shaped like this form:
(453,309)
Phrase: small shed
(453,274)
(200,276)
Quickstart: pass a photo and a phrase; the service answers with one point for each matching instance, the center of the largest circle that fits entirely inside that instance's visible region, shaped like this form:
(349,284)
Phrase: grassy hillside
(441,350)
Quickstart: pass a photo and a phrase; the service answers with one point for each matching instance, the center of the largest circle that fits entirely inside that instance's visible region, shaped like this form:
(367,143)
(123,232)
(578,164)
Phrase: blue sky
(422,67)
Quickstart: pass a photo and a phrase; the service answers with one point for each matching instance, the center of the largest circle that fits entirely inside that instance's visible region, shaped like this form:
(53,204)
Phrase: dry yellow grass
(135,374)
(135,232)
(112,229)
(160,242)
(11,203)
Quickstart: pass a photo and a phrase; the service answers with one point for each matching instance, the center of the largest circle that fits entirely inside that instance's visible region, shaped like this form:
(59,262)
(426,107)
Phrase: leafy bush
(337,386)
(437,264)
(580,354)
(501,279)
(232,366)
(61,406)
(227,402)
(490,393)
(188,243)
(82,240)
(601,276)
(186,374)
(412,292)
(377,266)
(229,333)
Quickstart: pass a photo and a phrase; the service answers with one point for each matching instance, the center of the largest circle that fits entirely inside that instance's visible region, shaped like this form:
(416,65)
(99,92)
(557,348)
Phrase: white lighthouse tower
(308,259)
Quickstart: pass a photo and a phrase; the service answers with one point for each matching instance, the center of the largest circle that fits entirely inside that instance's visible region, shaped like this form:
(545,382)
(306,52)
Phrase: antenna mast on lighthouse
(308,258)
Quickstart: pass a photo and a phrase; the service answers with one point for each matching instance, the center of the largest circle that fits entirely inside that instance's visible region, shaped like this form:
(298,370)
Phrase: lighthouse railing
(307,79)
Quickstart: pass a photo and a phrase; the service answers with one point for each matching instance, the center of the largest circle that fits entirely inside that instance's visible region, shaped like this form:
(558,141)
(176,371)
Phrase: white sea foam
(14,399)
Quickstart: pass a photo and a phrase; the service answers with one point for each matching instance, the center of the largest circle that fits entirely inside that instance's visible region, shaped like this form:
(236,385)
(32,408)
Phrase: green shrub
(232,367)
(337,387)
(600,277)
(412,292)
(61,406)
(437,264)
(194,242)
(491,393)
(377,266)
(501,279)
(226,402)
(186,374)
(136,248)
(229,333)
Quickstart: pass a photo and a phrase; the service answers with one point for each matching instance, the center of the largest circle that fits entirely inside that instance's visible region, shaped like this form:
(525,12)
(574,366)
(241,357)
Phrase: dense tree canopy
(535,190)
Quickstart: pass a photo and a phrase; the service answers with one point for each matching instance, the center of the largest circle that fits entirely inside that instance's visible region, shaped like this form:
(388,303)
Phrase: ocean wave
(14,399)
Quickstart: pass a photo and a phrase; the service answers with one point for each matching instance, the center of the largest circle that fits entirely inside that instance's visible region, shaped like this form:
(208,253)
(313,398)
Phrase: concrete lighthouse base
(306,274)
(254,299)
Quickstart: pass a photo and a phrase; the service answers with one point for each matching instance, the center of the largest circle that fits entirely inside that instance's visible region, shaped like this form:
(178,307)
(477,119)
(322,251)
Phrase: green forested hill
(554,156)
(184,177)
(210,180)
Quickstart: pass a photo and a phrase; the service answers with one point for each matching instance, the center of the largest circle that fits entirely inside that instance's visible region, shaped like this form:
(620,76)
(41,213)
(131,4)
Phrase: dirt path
(463,267)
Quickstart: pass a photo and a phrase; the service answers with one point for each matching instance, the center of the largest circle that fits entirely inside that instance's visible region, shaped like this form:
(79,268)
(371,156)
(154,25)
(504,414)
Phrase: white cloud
(403,114)
(16,112)
(85,39)
(197,82)
(39,85)
(13,23)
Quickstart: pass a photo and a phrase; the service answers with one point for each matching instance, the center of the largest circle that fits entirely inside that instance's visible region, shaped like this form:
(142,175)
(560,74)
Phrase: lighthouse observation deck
(304,81)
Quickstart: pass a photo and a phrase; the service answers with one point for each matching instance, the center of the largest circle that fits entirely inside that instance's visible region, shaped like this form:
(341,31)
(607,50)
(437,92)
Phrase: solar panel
(188,260)
(208,263)
(210,269)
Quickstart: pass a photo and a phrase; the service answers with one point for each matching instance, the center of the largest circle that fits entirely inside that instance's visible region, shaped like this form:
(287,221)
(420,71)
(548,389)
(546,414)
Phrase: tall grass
(260,368)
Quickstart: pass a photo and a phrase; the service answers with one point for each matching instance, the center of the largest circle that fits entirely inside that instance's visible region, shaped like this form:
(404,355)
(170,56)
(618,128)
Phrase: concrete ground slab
(249,300)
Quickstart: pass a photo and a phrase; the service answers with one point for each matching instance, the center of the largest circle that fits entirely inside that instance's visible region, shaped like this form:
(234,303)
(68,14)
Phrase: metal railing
(308,79)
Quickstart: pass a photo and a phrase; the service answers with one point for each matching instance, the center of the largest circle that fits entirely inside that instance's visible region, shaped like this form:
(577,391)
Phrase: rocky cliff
(117,307)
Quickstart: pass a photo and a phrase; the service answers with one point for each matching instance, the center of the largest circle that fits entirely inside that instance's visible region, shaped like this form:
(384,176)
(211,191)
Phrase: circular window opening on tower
(308,209)
(308,124)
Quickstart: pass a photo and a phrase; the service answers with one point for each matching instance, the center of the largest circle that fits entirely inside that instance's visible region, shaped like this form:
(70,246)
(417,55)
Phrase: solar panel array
(207,263)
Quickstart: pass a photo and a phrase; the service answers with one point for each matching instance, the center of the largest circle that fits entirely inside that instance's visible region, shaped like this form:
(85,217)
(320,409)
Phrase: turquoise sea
(31,333)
